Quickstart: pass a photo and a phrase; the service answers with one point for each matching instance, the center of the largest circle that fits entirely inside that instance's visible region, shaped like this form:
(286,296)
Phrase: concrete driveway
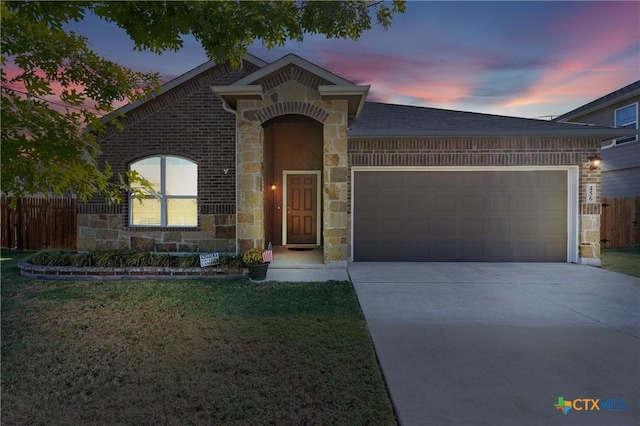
(497,344)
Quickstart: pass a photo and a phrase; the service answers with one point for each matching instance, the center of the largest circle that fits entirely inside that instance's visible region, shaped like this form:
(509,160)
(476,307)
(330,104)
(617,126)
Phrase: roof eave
(254,60)
(571,115)
(230,95)
(354,95)
(602,134)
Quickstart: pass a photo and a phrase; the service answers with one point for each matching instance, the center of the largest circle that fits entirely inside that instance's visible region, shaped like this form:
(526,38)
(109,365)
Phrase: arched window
(175,179)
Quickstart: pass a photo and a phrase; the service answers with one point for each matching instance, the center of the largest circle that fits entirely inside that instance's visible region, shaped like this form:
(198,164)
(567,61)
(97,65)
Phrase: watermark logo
(590,404)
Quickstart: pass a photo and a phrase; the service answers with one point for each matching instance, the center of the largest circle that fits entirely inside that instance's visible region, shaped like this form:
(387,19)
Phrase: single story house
(620,156)
(290,153)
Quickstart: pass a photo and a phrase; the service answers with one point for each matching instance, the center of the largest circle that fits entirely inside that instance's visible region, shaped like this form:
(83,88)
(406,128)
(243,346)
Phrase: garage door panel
(416,180)
(392,180)
(445,227)
(419,226)
(444,180)
(472,181)
(367,203)
(554,227)
(367,180)
(458,216)
(368,227)
(554,203)
(499,251)
(418,203)
(445,203)
(472,250)
(472,202)
(473,228)
(527,227)
(391,251)
(391,203)
(499,228)
(392,227)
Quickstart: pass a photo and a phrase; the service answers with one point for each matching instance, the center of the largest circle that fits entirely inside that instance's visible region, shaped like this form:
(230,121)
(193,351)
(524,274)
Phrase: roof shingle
(388,120)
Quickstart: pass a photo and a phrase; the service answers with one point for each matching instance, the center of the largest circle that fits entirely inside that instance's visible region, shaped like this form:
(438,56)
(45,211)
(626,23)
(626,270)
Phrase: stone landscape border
(126,273)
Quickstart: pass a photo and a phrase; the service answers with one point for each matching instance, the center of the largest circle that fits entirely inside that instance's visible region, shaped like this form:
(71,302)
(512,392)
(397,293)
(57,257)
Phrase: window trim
(163,197)
(626,139)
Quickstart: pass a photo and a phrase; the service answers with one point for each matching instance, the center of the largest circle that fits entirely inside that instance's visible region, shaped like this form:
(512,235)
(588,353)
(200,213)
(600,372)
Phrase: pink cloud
(394,78)
(54,98)
(588,61)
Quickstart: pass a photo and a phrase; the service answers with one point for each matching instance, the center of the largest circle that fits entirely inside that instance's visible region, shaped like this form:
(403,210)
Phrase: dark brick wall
(188,121)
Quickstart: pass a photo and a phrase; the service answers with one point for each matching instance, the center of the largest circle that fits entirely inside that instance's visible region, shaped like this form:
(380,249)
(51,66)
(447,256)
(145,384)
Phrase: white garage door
(482,216)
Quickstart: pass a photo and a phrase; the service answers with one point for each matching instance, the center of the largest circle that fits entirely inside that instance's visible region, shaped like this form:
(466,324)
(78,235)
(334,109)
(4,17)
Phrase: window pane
(182,177)
(182,212)
(149,168)
(626,116)
(147,213)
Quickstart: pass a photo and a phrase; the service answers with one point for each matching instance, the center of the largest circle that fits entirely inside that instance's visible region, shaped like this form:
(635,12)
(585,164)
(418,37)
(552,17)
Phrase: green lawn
(624,260)
(186,352)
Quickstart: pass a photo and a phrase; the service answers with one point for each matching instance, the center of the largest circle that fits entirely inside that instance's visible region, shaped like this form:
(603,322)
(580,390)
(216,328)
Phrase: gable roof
(329,85)
(291,59)
(389,121)
(621,94)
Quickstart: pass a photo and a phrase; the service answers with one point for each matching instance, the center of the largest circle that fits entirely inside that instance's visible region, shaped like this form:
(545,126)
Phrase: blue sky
(526,59)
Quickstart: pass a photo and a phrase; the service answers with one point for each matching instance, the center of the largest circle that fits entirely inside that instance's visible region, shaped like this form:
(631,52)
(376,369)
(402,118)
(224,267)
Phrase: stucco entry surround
(292,85)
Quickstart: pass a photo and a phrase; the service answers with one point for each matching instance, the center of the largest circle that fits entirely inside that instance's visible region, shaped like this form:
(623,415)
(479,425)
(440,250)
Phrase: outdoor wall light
(594,163)
(273,186)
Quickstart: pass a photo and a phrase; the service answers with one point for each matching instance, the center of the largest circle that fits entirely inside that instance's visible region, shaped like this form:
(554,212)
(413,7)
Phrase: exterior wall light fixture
(273,186)
(594,163)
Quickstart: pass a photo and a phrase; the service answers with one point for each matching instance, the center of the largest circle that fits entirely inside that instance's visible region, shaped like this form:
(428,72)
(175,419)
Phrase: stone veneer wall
(216,233)
(515,151)
(293,91)
(187,121)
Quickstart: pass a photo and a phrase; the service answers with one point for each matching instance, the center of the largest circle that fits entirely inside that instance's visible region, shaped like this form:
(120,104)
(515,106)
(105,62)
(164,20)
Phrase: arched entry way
(293,161)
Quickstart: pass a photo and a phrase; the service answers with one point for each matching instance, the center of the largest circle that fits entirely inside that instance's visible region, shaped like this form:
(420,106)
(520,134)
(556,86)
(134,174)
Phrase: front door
(302,208)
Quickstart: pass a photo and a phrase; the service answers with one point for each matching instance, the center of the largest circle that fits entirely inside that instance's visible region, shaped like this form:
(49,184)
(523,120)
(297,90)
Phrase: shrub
(119,258)
(253,256)
(113,258)
(52,258)
(82,259)
(230,262)
(189,261)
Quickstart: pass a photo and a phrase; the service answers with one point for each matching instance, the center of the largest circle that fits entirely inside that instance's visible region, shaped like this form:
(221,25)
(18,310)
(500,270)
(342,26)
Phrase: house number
(591,193)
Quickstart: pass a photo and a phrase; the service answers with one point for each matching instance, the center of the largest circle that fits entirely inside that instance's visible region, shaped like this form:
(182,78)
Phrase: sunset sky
(524,59)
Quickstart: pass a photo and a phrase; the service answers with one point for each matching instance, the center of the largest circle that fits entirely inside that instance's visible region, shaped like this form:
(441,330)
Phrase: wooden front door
(302,208)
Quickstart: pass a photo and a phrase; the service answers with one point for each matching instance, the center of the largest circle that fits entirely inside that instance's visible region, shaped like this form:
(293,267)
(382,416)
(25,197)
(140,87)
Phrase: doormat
(300,248)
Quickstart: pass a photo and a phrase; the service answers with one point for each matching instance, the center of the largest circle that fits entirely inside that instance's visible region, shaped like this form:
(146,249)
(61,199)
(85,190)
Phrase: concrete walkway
(497,344)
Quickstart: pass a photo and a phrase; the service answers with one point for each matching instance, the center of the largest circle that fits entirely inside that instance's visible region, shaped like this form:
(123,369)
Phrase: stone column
(250,182)
(335,190)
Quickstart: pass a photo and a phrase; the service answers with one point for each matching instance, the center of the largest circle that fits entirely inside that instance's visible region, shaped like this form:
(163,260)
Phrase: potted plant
(257,267)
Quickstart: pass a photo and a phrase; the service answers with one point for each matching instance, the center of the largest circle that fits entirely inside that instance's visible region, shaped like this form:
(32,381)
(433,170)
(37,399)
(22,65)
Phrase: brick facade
(190,122)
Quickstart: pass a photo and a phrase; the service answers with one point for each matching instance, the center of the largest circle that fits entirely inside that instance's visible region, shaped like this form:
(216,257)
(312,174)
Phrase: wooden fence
(620,222)
(38,223)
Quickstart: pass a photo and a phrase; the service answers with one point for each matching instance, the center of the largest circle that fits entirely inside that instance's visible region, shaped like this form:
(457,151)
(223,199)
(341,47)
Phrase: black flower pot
(258,272)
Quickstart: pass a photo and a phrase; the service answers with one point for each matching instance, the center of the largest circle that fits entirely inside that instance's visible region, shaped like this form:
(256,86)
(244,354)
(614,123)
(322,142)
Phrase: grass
(623,260)
(186,352)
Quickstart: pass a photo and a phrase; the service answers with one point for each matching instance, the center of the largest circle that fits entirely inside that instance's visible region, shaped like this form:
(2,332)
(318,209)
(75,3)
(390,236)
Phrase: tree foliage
(54,86)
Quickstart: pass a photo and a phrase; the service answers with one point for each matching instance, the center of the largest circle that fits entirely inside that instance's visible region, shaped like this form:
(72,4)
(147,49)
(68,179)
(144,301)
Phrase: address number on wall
(592,196)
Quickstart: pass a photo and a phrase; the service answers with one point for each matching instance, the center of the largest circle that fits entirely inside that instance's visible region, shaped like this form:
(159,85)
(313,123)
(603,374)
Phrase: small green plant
(189,261)
(114,258)
(82,259)
(232,263)
(52,258)
(253,256)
